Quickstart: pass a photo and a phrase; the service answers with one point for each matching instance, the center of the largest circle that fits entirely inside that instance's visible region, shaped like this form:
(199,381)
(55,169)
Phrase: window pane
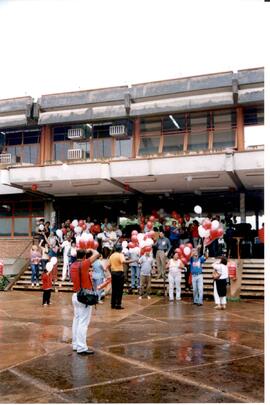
(254,116)
(123,147)
(31,154)
(83,146)
(224,139)
(224,119)
(31,137)
(21,208)
(5,210)
(150,127)
(60,134)
(102,148)
(175,122)
(37,208)
(14,139)
(173,143)
(149,146)
(21,227)
(5,226)
(60,150)
(198,136)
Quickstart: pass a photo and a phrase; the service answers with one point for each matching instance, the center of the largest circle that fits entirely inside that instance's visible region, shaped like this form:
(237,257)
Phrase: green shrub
(4,280)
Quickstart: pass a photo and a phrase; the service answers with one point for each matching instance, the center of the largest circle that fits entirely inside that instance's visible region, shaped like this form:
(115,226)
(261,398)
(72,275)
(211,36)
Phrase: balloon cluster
(142,242)
(210,230)
(184,252)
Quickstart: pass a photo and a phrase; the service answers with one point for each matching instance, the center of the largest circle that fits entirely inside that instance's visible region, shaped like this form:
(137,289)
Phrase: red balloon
(81,222)
(147,249)
(131,245)
(189,245)
(182,246)
(207,223)
(82,244)
(220,232)
(95,244)
(134,232)
(84,227)
(152,218)
(214,234)
(149,225)
(89,244)
(183,260)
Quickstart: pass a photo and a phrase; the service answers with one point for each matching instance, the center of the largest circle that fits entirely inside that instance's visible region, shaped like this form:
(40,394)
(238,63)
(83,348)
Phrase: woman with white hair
(220,276)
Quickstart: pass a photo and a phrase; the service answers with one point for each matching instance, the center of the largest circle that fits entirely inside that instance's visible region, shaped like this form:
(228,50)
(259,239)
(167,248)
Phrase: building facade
(106,152)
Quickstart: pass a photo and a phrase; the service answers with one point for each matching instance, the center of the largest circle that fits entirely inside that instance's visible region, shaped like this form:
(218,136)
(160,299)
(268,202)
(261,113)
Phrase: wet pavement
(154,351)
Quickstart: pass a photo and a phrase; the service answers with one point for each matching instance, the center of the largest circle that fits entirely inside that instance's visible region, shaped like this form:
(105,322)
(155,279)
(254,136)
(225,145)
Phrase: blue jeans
(35,273)
(135,276)
(197,284)
(97,282)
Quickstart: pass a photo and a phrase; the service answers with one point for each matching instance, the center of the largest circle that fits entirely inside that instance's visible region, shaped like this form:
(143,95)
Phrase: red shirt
(86,281)
(261,235)
(46,281)
(194,231)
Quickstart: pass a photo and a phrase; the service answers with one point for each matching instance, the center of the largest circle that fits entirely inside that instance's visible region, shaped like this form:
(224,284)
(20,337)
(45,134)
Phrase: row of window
(173,133)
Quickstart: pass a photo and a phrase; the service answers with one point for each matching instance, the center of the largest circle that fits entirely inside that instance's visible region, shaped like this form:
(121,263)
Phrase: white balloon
(78,229)
(187,251)
(41,227)
(214,225)
(59,233)
(124,244)
(49,267)
(84,237)
(201,231)
(75,223)
(206,233)
(140,236)
(148,242)
(198,209)
(53,260)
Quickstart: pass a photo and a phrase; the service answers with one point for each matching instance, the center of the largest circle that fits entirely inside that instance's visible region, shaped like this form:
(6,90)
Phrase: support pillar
(49,212)
(136,134)
(240,129)
(45,144)
(243,207)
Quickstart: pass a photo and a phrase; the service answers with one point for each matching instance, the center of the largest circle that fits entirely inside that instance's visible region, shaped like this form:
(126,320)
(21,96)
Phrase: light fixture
(150,179)
(174,121)
(202,177)
(84,184)
(213,188)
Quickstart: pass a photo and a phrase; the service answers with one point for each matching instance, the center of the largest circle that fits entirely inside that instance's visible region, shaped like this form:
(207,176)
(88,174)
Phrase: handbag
(216,275)
(85,296)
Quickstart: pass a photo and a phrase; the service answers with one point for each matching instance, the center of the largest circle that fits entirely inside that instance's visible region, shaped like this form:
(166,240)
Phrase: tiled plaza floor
(154,351)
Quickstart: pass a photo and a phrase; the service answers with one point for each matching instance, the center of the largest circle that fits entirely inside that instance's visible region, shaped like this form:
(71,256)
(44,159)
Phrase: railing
(75,133)
(5,158)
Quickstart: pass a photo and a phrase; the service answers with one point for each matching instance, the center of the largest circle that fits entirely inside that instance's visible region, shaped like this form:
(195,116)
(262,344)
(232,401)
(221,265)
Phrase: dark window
(254,116)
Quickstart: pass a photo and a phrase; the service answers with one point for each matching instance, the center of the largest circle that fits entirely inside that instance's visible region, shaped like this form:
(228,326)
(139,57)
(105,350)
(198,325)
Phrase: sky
(51,46)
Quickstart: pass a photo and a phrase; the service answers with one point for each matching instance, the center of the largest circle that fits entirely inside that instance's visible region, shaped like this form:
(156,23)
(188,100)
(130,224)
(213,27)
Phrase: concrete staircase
(249,283)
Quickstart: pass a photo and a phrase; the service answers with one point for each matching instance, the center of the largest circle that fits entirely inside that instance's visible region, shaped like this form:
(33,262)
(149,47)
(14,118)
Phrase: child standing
(98,277)
(46,286)
(35,258)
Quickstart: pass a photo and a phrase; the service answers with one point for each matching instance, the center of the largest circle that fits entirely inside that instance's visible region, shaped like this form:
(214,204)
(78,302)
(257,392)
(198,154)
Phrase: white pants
(218,300)
(81,320)
(65,267)
(174,280)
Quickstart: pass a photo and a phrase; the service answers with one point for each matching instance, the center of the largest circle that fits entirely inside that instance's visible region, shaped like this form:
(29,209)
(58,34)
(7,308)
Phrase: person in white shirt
(175,266)
(220,284)
(66,246)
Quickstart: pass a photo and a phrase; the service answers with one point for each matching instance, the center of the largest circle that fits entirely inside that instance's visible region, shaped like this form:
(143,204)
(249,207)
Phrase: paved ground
(153,351)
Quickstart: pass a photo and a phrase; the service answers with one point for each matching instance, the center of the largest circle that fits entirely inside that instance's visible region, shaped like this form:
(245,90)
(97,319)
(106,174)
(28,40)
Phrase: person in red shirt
(80,276)
(261,234)
(46,278)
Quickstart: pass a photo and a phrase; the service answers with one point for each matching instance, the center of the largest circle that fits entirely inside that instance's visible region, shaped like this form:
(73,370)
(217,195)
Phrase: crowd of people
(95,252)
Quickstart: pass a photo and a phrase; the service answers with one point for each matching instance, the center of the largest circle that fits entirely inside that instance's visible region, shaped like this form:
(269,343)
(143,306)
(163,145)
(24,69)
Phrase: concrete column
(240,128)
(242,207)
(49,212)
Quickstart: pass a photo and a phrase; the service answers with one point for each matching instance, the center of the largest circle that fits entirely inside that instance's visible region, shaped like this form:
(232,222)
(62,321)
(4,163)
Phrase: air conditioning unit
(118,130)
(74,154)
(76,133)
(5,158)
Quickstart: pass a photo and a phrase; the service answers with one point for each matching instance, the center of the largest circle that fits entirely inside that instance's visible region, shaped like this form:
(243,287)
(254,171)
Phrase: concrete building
(172,144)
